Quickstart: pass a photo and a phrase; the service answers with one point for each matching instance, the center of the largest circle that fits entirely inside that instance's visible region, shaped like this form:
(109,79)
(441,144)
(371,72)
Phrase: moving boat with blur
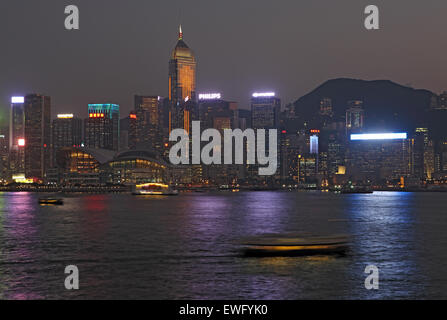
(295,245)
(154,189)
(51,201)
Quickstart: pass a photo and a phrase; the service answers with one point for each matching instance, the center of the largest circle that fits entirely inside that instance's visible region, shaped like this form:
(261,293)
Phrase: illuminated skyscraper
(17,136)
(419,144)
(4,154)
(423,157)
(265,112)
(313,141)
(265,108)
(132,132)
(102,129)
(149,123)
(182,72)
(379,157)
(37,136)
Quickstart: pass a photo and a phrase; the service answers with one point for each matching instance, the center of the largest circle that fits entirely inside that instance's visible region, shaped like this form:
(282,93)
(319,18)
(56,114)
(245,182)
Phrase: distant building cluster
(107,149)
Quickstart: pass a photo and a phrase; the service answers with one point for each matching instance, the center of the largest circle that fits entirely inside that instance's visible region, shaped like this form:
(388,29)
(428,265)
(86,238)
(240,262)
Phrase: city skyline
(112,126)
(236,82)
(202,151)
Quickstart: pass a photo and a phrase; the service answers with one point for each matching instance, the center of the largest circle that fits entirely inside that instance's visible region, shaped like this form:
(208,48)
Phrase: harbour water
(185,247)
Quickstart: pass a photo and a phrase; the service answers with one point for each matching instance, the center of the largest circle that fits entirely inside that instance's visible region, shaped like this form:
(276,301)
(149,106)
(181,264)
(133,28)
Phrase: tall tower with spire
(182,72)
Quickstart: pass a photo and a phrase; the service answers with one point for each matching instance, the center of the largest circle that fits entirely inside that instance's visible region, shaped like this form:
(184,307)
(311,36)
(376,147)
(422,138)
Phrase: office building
(149,130)
(17,136)
(4,155)
(102,127)
(355,116)
(67,131)
(214,112)
(182,72)
(265,110)
(37,136)
(379,158)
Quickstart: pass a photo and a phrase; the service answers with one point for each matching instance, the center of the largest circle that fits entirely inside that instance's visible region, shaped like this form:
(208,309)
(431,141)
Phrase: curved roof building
(127,167)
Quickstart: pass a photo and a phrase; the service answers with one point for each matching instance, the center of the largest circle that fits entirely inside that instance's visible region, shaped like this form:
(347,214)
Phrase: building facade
(148,130)
(355,116)
(37,136)
(380,160)
(17,136)
(4,155)
(102,127)
(182,72)
(265,111)
(67,131)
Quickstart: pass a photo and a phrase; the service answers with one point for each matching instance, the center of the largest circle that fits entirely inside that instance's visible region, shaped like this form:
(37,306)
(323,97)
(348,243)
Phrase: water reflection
(18,246)
(183,247)
(383,226)
(95,214)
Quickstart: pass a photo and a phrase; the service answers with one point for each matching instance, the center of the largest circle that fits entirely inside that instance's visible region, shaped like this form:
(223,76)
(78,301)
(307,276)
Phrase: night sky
(123,47)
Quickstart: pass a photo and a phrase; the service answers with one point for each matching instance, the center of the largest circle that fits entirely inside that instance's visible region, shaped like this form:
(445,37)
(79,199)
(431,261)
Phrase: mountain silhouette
(387,105)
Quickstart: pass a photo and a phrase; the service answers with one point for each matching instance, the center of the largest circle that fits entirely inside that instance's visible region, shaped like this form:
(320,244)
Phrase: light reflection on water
(184,247)
(384,228)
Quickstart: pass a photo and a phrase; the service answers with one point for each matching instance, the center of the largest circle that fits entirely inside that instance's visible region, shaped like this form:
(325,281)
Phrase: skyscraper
(423,162)
(67,131)
(326,107)
(17,136)
(4,154)
(149,122)
(419,144)
(265,113)
(102,127)
(182,72)
(214,112)
(129,124)
(354,116)
(265,110)
(313,141)
(379,158)
(37,135)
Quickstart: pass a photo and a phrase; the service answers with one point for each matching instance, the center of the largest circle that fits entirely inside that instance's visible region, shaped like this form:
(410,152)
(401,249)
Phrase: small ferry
(295,245)
(356,189)
(154,189)
(51,201)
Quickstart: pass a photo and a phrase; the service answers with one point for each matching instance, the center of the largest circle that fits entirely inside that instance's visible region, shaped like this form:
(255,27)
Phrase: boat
(295,245)
(356,189)
(51,201)
(154,189)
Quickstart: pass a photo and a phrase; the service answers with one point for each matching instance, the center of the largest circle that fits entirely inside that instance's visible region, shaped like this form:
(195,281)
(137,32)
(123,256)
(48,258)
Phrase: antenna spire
(180,33)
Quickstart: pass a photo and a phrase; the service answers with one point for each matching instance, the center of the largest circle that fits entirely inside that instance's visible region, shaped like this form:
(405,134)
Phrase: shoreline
(125,189)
